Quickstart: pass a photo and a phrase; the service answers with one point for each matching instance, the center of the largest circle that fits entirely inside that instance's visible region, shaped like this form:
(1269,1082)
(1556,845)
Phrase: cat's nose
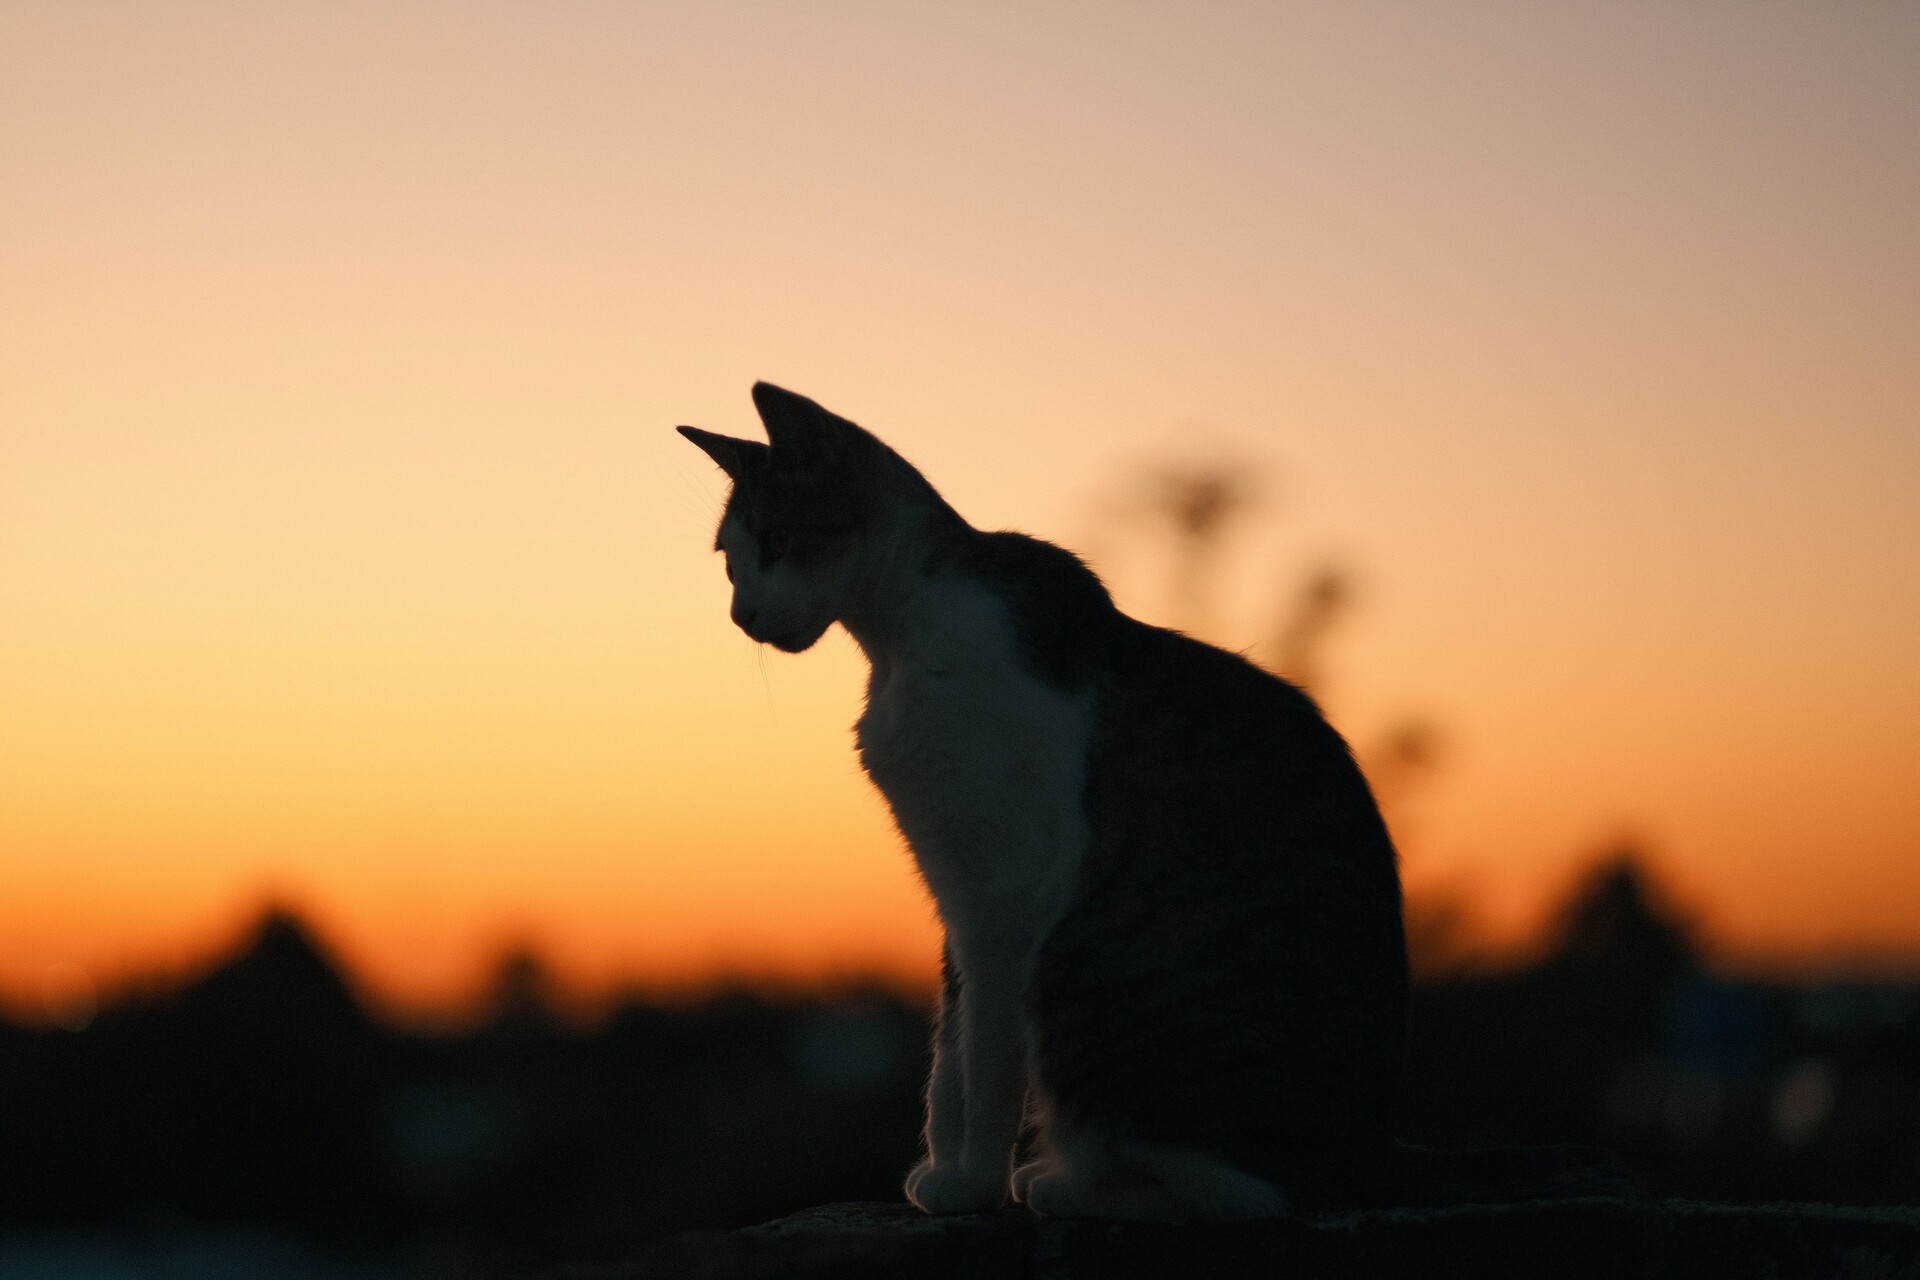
(743,618)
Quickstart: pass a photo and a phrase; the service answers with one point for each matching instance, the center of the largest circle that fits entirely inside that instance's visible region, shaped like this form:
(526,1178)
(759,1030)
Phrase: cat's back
(1185,718)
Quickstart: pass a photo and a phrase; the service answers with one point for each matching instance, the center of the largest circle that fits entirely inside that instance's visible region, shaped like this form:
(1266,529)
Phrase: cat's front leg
(991,1076)
(946,1087)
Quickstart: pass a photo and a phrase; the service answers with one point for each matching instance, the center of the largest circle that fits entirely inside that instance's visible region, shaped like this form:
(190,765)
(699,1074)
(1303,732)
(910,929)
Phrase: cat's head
(800,508)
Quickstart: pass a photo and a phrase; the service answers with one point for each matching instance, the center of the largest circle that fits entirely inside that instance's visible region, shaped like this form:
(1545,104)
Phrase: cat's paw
(947,1188)
(1055,1191)
(1023,1176)
(1052,1191)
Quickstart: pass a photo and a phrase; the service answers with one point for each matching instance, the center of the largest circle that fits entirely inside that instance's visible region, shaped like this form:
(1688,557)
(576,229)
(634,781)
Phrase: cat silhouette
(1172,912)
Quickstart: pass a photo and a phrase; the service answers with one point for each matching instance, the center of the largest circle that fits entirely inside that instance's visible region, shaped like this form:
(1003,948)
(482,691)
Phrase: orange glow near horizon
(348,558)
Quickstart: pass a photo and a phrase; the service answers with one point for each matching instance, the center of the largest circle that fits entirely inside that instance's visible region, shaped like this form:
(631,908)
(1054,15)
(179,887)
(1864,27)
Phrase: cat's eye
(774,544)
(728,565)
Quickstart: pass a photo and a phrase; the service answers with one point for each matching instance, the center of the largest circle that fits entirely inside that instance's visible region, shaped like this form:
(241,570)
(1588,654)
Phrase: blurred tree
(523,991)
(1195,505)
(1616,919)
(1309,616)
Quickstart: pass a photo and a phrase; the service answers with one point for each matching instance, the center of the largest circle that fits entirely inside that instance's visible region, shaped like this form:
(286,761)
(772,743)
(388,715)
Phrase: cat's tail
(1502,1175)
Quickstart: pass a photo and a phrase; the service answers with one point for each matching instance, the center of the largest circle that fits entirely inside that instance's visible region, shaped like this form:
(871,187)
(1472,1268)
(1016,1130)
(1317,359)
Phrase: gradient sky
(347,554)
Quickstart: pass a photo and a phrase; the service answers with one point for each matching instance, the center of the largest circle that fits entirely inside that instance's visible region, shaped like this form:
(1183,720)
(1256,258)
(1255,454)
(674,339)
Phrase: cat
(1172,912)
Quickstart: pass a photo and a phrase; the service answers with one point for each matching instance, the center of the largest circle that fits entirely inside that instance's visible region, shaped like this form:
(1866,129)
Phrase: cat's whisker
(694,488)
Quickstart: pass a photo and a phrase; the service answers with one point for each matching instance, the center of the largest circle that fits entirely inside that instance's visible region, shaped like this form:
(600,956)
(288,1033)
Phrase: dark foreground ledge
(1547,1240)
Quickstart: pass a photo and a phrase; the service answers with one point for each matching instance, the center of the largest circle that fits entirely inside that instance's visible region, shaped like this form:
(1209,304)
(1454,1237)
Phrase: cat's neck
(880,606)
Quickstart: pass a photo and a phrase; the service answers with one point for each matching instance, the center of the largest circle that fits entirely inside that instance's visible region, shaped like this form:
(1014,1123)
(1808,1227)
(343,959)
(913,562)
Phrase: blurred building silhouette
(264,1098)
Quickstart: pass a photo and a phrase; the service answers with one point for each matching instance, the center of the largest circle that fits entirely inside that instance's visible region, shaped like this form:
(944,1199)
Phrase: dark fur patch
(1062,614)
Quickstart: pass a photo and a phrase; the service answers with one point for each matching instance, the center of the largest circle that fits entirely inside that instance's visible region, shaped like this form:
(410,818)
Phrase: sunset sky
(348,557)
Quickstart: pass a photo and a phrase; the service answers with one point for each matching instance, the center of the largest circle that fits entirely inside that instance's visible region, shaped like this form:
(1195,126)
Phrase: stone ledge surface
(1586,1239)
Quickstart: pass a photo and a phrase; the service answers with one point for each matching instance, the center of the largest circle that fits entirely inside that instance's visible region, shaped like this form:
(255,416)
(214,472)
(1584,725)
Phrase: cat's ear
(800,429)
(738,458)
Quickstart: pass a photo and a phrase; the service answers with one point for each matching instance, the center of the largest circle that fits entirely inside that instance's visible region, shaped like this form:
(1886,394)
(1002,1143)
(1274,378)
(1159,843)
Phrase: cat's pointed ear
(801,429)
(738,458)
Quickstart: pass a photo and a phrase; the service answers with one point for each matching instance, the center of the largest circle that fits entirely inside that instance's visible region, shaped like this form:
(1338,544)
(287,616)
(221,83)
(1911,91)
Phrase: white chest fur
(983,766)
